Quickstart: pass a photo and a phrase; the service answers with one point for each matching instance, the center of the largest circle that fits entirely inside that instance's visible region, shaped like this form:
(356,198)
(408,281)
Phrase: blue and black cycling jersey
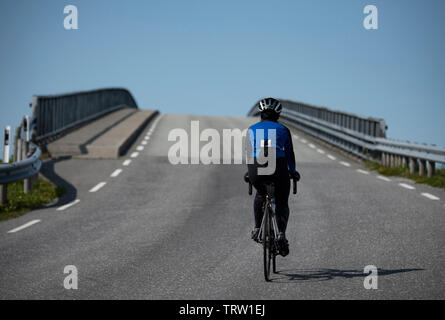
(262,132)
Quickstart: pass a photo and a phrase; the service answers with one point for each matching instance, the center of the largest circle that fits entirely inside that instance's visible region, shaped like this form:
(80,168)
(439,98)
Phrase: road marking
(345,163)
(116,173)
(26,225)
(126,162)
(332,157)
(72,203)
(303,140)
(295,136)
(134,154)
(311,145)
(320,151)
(140,148)
(383,178)
(144,142)
(98,186)
(430,196)
(362,171)
(406,186)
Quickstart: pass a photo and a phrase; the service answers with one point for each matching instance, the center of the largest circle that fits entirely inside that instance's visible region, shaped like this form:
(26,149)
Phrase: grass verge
(20,203)
(438,180)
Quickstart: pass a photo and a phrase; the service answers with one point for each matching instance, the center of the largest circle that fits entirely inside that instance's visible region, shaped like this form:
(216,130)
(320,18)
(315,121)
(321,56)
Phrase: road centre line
(320,151)
(126,162)
(346,164)
(116,173)
(383,178)
(362,171)
(134,154)
(98,186)
(140,148)
(331,157)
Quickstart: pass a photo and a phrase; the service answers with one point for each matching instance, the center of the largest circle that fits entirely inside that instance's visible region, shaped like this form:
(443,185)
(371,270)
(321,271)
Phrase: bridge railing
(57,114)
(51,117)
(360,136)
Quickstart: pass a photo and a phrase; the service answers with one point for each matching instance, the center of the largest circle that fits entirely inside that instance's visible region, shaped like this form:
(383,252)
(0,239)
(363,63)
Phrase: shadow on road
(307,275)
(49,173)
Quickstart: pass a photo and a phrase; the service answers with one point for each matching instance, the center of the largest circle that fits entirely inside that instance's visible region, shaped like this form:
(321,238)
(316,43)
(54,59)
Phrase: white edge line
(72,203)
(406,186)
(98,186)
(26,225)
(430,196)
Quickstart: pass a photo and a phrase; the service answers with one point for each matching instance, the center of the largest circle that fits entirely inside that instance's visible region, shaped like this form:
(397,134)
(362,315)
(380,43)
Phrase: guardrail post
(3,194)
(422,166)
(404,162)
(412,165)
(392,164)
(431,168)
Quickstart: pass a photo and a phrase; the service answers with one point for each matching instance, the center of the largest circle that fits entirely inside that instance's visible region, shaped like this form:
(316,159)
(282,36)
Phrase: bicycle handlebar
(294,186)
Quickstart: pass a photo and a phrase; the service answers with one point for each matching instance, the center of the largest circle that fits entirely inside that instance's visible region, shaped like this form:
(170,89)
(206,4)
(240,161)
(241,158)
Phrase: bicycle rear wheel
(267,245)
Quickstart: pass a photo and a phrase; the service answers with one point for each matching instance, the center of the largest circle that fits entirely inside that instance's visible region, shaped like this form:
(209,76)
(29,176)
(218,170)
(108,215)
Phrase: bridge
(137,227)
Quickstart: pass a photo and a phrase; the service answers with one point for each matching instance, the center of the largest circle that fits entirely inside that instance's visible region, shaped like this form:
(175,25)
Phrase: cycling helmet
(270,104)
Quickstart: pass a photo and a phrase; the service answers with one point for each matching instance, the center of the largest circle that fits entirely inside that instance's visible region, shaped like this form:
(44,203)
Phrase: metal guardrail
(23,169)
(360,136)
(56,114)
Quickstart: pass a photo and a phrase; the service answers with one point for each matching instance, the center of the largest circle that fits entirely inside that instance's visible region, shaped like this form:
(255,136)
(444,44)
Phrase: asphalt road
(163,231)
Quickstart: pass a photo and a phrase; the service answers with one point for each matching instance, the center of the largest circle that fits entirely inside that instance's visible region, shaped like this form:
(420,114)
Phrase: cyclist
(270,109)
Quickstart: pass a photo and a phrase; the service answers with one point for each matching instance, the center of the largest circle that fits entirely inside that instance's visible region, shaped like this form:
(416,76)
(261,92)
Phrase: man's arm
(289,152)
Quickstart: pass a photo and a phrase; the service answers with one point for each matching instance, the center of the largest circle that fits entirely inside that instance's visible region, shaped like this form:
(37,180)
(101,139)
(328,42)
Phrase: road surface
(160,231)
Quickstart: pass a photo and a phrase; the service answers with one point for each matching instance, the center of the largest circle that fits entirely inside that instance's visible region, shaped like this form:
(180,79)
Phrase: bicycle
(269,229)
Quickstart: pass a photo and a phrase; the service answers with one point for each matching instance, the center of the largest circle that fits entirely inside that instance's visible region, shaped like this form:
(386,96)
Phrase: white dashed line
(295,136)
(383,178)
(345,163)
(26,225)
(362,171)
(116,173)
(303,140)
(72,203)
(134,154)
(320,151)
(406,186)
(140,148)
(144,142)
(430,196)
(98,186)
(311,146)
(147,137)
(126,162)
(331,157)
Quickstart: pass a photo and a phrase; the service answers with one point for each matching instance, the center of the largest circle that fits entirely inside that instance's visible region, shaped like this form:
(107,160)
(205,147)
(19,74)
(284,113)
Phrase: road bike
(268,234)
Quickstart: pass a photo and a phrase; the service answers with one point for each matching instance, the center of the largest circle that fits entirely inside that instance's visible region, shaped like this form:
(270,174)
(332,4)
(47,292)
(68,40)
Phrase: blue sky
(219,57)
